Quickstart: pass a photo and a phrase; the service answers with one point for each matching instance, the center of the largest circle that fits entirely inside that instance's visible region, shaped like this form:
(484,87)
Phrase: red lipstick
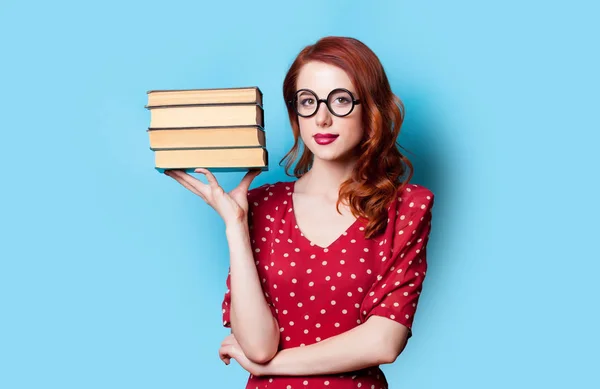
(325,139)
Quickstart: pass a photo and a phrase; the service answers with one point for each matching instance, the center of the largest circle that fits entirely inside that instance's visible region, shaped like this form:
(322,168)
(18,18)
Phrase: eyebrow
(326,94)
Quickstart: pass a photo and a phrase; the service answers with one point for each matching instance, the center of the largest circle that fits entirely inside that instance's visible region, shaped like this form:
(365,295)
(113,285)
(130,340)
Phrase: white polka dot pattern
(396,293)
(318,292)
(260,223)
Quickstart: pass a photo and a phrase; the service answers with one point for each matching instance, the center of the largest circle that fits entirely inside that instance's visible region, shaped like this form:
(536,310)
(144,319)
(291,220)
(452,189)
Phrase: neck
(325,177)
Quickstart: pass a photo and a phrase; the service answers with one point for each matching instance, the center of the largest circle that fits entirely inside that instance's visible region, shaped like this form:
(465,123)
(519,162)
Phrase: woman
(326,271)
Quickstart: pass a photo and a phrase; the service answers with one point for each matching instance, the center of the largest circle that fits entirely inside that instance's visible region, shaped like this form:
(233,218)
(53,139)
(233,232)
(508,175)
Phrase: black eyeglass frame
(292,102)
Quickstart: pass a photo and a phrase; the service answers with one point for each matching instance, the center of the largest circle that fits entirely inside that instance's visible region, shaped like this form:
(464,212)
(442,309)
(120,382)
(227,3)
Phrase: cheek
(356,130)
(305,128)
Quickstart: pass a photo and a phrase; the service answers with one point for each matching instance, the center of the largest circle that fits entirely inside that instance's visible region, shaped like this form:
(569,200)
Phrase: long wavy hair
(381,170)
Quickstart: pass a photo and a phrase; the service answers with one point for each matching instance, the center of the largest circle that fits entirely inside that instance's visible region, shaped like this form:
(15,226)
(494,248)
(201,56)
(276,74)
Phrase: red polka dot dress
(319,292)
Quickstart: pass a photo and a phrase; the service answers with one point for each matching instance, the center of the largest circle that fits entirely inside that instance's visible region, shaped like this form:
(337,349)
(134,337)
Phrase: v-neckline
(297,226)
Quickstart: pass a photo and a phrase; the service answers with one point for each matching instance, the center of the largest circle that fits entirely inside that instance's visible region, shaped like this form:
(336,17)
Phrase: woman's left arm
(375,342)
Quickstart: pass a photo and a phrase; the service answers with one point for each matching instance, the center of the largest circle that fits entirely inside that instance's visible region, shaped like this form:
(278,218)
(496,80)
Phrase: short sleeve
(396,293)
(259,224)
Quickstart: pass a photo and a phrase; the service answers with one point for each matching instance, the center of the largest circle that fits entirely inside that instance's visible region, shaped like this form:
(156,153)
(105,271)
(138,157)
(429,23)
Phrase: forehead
(323,78)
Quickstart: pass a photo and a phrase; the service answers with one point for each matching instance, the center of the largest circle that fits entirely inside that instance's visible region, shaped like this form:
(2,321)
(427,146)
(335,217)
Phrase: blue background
(112,275)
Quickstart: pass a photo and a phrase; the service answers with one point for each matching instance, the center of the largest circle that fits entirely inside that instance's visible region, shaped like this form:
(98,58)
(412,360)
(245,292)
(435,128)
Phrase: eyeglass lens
(339,101)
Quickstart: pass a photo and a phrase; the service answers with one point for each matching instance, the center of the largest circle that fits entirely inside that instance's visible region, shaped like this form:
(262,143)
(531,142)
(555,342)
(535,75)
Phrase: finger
(248,178)
(183,182)
(200,188)
(228,340)
(225,358)
(224,355)
(176,176)
(212,180)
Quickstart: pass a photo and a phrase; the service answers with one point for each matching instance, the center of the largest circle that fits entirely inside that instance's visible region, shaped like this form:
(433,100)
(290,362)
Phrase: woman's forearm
(358,348)
(252,322)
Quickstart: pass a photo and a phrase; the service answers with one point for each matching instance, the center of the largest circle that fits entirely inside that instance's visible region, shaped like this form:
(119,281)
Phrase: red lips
(325,139)
(326,136)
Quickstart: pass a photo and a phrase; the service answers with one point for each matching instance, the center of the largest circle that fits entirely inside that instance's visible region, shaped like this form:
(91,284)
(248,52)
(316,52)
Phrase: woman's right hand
(232,206)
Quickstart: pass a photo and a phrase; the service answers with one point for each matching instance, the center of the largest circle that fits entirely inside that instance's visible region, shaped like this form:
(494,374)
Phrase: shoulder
(415,192)
(414,198)
(412,215)
(269,193)
(254,194)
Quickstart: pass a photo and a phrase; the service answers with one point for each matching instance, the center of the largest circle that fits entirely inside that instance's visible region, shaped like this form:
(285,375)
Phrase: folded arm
(252,321)
(377,341)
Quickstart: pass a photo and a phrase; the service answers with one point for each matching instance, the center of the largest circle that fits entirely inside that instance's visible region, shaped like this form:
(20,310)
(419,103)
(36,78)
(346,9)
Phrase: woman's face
(327,136)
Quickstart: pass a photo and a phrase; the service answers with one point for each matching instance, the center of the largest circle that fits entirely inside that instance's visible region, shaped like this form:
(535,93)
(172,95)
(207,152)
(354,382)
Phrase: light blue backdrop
(111,275)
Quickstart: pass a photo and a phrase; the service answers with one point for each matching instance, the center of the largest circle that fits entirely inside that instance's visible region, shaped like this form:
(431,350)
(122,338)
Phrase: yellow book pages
(175,138)
(207,116)
(246,95)
(211,158)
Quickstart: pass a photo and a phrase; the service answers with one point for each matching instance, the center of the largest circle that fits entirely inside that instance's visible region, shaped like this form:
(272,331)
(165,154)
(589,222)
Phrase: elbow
(389,339)
(390,350)
(261,349)
(260,356)
(264,351)
(387,357)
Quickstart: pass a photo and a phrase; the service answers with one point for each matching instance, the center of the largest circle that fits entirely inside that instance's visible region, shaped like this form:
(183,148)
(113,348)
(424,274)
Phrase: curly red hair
(381,170)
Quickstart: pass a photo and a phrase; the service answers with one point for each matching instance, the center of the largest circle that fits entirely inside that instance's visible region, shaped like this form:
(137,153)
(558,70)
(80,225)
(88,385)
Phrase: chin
(332,156)
(328,158)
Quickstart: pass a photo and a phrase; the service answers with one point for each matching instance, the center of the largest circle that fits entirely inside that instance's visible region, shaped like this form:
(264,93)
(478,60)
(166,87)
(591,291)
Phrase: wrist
(236,226)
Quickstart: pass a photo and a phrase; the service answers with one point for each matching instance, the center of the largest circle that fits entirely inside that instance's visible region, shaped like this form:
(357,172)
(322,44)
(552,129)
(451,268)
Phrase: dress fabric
(319,292)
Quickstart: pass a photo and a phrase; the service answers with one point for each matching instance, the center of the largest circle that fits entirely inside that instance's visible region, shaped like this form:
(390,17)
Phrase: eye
(342,100)
(307,101)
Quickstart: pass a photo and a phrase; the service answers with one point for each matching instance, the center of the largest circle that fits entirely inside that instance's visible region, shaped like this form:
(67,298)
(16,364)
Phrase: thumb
(248,178)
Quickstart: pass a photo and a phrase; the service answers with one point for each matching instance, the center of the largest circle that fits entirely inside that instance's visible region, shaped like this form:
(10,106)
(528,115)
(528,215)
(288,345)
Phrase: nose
(323,117)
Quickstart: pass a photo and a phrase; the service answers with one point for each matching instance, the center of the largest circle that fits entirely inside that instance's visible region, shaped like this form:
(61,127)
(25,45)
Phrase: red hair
(381,170)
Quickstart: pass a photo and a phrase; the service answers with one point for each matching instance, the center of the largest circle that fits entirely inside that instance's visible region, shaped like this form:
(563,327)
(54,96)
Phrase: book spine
(200,105)
(258,127)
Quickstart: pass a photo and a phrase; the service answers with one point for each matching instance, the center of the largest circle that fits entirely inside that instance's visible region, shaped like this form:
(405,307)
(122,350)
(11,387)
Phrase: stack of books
(217,129)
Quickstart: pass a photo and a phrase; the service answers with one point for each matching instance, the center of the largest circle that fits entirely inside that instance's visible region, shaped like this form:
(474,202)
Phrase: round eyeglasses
(340,102)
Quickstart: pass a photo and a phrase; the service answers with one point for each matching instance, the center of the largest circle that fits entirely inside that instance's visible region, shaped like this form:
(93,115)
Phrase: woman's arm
(377,341)
(252,322)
